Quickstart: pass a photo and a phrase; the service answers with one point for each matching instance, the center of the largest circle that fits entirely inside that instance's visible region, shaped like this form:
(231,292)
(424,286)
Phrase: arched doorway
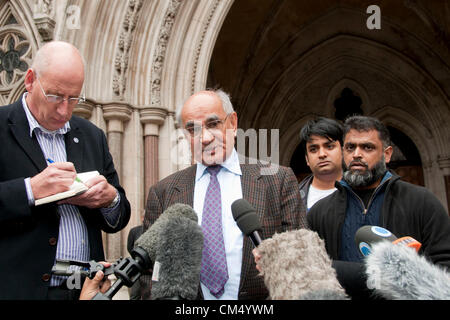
(289,61)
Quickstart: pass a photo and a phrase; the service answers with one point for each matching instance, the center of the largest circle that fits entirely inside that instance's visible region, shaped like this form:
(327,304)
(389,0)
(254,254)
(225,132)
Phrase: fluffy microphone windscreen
(180,209)
(245,216)
(295,265)
(397,272)
(179,258)
(150,237)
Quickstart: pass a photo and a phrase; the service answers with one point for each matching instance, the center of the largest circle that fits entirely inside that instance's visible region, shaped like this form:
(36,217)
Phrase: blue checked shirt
(73,242)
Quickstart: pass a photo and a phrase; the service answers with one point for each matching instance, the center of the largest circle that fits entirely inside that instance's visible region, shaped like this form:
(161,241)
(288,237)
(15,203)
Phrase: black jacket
(303,188)
(408,210)
(28,235)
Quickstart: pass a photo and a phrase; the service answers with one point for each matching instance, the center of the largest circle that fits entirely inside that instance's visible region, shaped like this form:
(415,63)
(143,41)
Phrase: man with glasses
(219,177)
(43,148)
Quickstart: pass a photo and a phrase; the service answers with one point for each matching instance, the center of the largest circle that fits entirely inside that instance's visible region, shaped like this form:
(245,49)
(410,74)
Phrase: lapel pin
(76,140)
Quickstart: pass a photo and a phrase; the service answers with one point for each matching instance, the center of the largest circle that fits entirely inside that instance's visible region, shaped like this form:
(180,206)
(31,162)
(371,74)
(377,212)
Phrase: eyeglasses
(214,126)
(58,99)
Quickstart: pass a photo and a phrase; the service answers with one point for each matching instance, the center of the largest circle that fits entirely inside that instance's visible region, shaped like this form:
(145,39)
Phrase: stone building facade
(282,61)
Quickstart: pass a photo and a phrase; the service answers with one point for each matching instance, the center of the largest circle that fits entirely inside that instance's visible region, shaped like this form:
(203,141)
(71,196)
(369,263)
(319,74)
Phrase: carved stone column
(151,118)
(116,114)
(85,109)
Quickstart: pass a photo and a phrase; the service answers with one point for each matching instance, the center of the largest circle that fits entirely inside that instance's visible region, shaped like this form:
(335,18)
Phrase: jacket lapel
(75,145)
(183,190)
(251,191)
(20,129)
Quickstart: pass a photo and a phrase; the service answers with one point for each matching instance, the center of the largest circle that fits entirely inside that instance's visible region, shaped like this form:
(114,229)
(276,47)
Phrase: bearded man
(370,194)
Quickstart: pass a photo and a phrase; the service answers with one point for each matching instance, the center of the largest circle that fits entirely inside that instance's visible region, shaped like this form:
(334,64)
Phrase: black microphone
(129,270)
(367,236)
(399,273)
(176,272)
(247,220)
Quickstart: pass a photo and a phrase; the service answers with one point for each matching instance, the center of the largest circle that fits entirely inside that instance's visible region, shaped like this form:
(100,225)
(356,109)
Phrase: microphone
(366,236)
(176,272)
(149,240)
(129,270)
(399,273)
(296,266)
(247,220)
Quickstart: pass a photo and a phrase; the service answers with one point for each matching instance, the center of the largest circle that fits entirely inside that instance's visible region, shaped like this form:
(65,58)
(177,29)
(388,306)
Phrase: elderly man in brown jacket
(210,125)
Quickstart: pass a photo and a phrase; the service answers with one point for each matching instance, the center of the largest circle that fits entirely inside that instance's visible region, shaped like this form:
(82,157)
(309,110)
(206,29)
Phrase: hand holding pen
(76,177)
(55,178)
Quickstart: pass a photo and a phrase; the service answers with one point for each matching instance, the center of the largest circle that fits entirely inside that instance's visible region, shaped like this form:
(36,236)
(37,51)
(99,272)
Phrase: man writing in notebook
(37,130)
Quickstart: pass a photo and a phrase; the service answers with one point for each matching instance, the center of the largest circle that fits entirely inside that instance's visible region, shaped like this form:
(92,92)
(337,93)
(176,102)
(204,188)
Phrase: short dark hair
(364,123)
(323,127)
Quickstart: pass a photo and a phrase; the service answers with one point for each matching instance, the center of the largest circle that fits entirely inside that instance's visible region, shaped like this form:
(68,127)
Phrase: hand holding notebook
(78,187)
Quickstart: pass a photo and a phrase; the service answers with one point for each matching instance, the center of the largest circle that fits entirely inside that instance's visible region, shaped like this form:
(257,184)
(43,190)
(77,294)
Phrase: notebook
(75,189)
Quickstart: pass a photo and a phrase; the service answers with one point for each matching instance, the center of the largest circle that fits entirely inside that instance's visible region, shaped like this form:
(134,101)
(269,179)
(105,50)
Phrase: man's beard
(358,179)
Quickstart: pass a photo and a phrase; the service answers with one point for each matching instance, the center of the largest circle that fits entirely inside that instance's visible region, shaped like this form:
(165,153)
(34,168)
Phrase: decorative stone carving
(15,55)
(160,52)
(12,51)
(125,42)
(200,43)
(44,8)
(44,12)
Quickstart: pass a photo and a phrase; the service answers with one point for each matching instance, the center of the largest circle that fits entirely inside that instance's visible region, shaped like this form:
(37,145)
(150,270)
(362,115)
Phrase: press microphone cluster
(173,244)
(396,271)
(294,264)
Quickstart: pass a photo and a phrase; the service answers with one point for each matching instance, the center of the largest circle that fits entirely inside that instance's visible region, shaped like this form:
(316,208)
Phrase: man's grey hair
(224,98)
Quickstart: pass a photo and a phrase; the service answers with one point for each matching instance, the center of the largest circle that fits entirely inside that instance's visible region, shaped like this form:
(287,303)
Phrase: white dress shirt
(229,178)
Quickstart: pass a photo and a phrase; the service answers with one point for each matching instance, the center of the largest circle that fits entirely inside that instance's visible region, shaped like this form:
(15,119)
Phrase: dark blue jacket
(359,215)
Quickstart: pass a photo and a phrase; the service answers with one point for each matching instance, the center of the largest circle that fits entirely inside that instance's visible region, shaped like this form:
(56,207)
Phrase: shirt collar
(34,124)
(231,164)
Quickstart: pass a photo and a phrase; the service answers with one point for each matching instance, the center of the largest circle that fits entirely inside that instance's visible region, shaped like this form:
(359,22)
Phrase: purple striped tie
(214,272)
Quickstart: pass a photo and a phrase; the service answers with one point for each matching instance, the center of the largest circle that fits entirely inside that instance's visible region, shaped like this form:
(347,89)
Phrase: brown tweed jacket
(275,198)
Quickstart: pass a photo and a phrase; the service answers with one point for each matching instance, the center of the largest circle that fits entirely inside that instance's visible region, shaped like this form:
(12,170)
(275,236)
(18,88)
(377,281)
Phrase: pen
(76,178)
